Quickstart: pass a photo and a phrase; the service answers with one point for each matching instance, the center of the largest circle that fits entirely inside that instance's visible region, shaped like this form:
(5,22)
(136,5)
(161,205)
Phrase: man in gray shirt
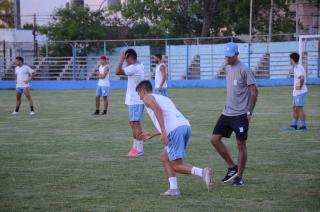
(242,95)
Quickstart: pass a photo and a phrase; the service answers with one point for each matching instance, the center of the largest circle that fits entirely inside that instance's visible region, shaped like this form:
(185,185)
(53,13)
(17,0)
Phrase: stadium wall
(122,84)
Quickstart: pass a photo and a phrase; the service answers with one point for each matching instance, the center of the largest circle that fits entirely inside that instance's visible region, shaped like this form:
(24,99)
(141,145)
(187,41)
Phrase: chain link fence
(186,58)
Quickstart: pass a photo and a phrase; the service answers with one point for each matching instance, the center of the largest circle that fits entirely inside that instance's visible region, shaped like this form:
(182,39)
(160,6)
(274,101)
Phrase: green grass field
(65,159)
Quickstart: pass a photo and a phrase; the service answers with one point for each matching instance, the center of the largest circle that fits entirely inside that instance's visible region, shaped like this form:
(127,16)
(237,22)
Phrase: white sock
(139,146)
(134,144)
(173,182)
(196,171)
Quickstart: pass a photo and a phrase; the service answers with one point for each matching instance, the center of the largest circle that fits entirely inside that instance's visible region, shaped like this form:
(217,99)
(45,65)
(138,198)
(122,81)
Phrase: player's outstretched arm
(148,135)
(153,105)
(119,69)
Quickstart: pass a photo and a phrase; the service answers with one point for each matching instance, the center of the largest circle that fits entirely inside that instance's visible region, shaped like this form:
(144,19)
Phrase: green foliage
(6,14)
(181,18)
(75,23)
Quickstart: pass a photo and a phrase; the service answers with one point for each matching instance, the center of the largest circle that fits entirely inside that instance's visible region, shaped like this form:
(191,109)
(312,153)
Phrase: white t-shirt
(135,73)
(298,72)
(172,117)
(158,76)
(103,82)
(23,73)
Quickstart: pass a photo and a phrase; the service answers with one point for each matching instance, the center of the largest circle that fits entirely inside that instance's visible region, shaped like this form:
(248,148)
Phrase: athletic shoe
(95,113)
(304,128)
(104,112)
(14,113)
(292,128)
(231,174)
(238,181)
(32,113)
(132,152)
(135,153)
(171,192)
(207,178)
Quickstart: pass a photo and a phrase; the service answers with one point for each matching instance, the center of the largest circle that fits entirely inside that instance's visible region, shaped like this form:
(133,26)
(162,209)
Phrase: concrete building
(308,14)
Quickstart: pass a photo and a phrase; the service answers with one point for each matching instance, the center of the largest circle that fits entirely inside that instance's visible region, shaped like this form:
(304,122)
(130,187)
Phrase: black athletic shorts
(228,124)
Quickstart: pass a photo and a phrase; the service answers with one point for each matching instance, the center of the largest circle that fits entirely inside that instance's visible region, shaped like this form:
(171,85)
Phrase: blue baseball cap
(230,49)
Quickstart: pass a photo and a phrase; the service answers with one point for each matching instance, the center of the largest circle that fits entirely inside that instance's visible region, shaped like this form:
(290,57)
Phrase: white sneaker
(32,113)
(14,113)
(207,178)
(171,192)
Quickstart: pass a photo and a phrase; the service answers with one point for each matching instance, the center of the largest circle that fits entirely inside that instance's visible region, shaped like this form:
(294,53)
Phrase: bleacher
(203,61)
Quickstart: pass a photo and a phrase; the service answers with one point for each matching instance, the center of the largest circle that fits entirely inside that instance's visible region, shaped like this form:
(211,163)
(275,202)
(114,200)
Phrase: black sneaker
(231,174)
(95,113)
(292,128)
(104,112)
(238,181)
(302,128)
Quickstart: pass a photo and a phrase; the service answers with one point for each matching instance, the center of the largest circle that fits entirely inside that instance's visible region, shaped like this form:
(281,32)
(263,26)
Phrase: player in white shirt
(160,76)
(24,75)
(175,131)
(135,73)
(103,87)
(299,93)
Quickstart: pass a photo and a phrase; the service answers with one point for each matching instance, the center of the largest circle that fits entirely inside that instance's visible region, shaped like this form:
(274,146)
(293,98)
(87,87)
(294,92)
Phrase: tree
(75,23)
(205,17)
(6,14)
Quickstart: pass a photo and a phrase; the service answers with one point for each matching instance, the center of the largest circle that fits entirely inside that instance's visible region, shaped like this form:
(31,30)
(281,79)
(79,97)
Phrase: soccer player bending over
(175,131)
(24,75)
(135,73)
(299,93)
(242,95)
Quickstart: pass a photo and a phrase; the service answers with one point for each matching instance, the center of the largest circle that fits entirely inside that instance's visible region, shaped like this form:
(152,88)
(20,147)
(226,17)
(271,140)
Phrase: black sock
(17,109)
(104,111)
(31,108)
(97,111)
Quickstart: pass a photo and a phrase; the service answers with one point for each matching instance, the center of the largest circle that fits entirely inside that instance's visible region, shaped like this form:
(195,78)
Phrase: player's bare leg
(242,156)
(302,118)
(18,103)
(295,117)
(27,93)
(137,147)
(222,150)
(97,103)
(105,104)
(177,166)
(224,153)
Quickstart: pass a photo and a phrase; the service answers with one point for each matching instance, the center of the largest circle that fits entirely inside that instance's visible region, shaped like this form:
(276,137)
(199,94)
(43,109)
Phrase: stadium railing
(186,58)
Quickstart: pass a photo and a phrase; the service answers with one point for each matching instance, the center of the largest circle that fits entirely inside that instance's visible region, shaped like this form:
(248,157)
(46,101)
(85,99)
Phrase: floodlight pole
(270,24)
(250,33)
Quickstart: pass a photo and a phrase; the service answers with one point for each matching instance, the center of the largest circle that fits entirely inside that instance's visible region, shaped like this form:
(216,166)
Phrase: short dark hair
(144,84)
(131,53)
(20,58)
(158,56)
(295,57)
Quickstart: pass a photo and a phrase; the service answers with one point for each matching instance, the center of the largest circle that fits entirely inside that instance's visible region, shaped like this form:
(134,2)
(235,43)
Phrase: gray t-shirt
(238,78)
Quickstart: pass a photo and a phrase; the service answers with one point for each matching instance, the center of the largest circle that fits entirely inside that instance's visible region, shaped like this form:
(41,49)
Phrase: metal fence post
(104,48)
(4,55)
(187,72)
(74,49)
(47,49)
